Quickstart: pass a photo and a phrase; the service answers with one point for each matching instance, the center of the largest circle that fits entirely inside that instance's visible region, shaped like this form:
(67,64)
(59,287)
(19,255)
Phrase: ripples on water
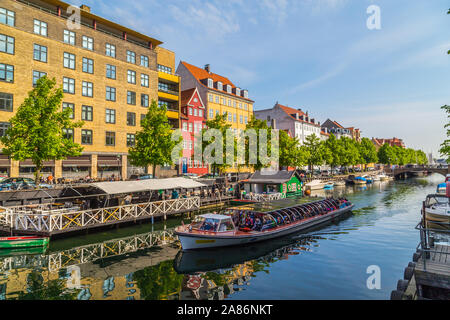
(325,263)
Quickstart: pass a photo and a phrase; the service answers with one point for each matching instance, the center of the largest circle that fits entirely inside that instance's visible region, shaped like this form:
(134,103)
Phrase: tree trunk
(37,175)
(154,171)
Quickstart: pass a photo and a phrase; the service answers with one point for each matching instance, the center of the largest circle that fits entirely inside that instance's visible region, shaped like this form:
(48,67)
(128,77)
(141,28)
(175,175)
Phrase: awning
(120,187)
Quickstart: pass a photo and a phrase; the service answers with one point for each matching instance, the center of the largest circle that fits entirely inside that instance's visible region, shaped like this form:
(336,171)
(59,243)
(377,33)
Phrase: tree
(257,126)
(291,153)
(445,146)
(154,144)
(351,155)
(368,151)
(334,152)
(386,155)
(315,149)
(218,123)
(37,129)
(421,157)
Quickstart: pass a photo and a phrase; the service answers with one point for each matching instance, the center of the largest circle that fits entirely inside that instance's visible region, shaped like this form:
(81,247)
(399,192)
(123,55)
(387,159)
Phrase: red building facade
(193,120)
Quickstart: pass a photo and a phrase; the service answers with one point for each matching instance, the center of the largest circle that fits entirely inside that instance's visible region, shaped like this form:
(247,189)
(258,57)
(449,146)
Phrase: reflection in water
(150,265)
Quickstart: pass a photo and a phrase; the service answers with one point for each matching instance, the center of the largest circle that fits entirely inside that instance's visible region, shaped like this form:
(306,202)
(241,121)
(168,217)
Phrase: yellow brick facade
(144,48)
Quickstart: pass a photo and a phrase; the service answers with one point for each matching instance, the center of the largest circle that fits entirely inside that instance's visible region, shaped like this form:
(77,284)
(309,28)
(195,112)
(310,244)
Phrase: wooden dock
(427,277)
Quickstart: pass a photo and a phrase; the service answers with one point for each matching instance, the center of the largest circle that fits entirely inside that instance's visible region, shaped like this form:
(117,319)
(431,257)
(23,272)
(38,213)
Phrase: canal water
(145,262)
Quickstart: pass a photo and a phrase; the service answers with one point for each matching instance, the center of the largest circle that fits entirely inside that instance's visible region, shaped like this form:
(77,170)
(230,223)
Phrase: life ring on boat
(245,229)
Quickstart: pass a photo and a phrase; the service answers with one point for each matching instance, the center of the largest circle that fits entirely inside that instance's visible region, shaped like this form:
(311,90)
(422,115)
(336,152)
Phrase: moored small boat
(376,178)
(441,189)
(383,177)
(23,242)
(437,209)
(339,183)
(360,181)
(315,185)
(260,222)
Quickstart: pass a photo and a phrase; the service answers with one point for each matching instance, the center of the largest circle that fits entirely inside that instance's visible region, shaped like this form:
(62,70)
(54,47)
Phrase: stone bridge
(417,171)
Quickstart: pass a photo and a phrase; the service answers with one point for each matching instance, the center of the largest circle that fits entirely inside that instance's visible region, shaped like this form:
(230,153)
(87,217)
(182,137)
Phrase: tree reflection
(39,289)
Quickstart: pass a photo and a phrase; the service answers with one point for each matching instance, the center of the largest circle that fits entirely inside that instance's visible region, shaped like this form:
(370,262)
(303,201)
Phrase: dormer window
(245,94)
(210,83)
(238,91)
(219,86)
(228,88)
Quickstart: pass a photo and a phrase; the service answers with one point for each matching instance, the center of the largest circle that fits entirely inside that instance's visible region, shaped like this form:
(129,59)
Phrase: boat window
(226,225)
(206,224)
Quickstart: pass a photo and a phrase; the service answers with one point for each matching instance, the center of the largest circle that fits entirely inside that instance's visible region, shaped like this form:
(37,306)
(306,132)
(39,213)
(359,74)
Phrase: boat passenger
(258,225)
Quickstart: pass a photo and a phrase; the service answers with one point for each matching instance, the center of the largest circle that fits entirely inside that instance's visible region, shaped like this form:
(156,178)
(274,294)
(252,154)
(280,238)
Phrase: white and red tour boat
(259,222)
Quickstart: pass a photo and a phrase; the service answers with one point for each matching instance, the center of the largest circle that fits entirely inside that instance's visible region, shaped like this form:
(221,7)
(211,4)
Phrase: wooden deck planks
(434,271)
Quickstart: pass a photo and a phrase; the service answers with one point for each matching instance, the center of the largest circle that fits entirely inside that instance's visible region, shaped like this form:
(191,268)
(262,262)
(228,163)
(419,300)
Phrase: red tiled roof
(291,111)
(201,74)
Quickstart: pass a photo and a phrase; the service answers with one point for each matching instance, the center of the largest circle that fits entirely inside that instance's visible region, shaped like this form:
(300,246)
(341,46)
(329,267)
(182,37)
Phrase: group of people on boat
(251,221)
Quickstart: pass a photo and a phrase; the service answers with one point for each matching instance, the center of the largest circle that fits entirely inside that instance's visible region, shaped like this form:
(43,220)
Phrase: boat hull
(22,242)
(191,241)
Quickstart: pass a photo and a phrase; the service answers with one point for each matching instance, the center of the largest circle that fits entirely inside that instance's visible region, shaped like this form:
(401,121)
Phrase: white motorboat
(437,208)
(383,177)
(315,185)
(376,178)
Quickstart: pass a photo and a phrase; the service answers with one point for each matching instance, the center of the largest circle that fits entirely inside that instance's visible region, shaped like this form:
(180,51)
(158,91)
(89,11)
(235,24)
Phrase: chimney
(85,8)
(208,68)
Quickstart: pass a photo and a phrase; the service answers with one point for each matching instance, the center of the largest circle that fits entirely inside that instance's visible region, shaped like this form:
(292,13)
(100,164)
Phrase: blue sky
(315,54)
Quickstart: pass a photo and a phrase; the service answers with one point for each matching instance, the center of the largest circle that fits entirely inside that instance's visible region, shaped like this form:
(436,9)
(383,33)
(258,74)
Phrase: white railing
(80,255)
(266,197)
(62,220)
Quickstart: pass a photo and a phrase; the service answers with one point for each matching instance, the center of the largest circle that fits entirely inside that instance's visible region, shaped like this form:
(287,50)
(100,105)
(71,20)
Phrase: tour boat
(437,208)
(315,185)
(23,242)
(258,222)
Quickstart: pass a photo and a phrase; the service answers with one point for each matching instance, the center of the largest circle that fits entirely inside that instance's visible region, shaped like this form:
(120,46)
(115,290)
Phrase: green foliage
(291,153)
(154,142)
(218,123)
(158,282)
(351,155)
(368,151)
(36,130)
(445,146)
(315,149)
(386,155)
(257,125)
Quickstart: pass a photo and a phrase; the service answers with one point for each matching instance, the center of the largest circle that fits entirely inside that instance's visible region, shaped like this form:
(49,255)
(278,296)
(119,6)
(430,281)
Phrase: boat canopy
(215,216)
(120,187)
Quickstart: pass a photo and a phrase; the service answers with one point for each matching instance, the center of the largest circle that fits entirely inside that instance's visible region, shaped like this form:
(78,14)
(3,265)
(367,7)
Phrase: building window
(86,113)
(7,17)
(110,50)
(131,77)
(88,65)
(6,44)
(211,113)
(210,98)
(40,53)
(37,75)
(246,120)
(86,136)
(241,119)
(131,118)
(131,140)
(234,117)
(6,72)
(144,61)
(185,128)
(245,107)
(69,37)
(68,134)
(210,83)
(131,98)
(144,100)
(110,94)
(40,27)
(4,126)
(229,102)
(110,116)
(110,138)
(191,129)
(111,71)
(69,85)
(195,112)
(219,86)
(143,116)
(200,113)
(131,57)
(217,99)
(144,80)
(88,89)
(88,43)
(164,69)
(6,101)
(69,60)
(230,117)
(190,111)
(70,106)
